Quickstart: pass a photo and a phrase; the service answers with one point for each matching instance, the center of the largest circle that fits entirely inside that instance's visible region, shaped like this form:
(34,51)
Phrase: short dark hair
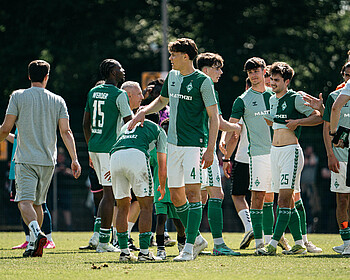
(184,45)
(106,66)
(158,84)
(346,65)
(282,68)
(209,60)
(253,63)
(37,70)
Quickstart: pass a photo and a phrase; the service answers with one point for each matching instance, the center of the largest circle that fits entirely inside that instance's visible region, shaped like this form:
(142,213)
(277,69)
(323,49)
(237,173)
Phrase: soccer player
(37,112)
(337,163)
(130,168)
(106,109)
(252,106)
(211,64)
(342,99)
(191,142)
(288,113)
(345,73)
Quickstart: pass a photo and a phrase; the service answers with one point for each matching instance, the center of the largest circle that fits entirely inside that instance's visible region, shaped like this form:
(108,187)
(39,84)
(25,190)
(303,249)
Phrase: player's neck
(281,93)
(38,84)
(187,69)
(111,82)
(259,87)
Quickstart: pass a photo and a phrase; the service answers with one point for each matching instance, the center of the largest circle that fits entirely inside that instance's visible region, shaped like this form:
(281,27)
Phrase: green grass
(68,262)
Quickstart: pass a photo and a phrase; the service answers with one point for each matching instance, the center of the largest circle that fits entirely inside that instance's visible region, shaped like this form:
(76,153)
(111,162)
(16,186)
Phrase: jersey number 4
(98,113)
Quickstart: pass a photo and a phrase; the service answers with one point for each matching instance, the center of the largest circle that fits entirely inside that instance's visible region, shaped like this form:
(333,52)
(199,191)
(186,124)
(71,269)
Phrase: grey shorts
(32,182)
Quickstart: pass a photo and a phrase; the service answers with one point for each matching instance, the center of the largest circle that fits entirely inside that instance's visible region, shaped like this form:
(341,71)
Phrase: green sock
(256,216)
(215,217)
(302,214)
(194,221)
(145,239)
(268,218)
(345,233)
(105,235)
(123,239)
(294,225)
(182,212)
(283,218)
(97,224)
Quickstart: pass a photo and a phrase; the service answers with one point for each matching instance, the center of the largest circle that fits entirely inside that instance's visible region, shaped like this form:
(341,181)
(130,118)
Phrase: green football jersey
(290,106)
(144,138)
(107,105)
(154,165)
(344,120)
(252,106)
(188,98)
(217,100)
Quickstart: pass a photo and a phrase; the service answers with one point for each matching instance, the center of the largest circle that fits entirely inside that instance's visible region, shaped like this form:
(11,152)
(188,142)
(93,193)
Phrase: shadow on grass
(127,263)
(11,258)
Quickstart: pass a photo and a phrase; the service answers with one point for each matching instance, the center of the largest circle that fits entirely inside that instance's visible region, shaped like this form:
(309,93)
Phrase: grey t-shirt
(38,111)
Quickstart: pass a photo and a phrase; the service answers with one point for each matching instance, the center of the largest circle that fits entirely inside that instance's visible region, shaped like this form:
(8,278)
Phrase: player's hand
(226,166)
(108,176)
(139,117)
(269,123)
(333,164)
(76,169)
(311,101)
(292,124)
(222,147)
(90,163)
(340,144)
(162,192)
(207,159)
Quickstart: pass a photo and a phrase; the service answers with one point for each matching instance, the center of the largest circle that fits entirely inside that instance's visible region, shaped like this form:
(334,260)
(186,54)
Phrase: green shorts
(166,208)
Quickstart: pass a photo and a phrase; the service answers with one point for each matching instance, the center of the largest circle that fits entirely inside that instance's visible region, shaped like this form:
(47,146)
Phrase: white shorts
(287,162)
(101,162)
(130,169)
(211,175)
(338,180)
(184,165)
(260,173)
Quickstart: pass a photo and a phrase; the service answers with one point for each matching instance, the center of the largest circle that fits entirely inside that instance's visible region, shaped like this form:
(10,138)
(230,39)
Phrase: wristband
(226,160)
(332,134)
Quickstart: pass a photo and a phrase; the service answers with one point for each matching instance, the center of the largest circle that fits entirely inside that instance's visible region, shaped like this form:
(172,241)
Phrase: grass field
(68,262)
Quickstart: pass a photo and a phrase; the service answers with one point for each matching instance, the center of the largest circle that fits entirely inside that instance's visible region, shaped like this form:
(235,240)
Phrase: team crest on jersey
(189,87)
(284,106)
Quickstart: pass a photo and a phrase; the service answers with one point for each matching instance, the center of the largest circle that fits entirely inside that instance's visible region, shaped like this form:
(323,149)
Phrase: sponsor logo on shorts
(336,184)
(257,182)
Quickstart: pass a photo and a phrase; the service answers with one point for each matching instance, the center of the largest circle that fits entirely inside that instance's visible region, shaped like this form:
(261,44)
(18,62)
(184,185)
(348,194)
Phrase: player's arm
(226,136)
(155,106)
(228,126)
(208,156)
(313,119)
(68,139)
(87,126)
(162,173)
(339,103)
(7,126)
(230,147)
(333,163)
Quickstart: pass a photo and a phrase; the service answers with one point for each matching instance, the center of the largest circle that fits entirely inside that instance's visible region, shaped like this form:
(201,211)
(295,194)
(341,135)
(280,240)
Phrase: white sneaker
(127,257)
(106,247)
(94,240)
(339,249)
(199,247)
(148,257)
(311,248)
(346,251)
(184,256)
(161,254)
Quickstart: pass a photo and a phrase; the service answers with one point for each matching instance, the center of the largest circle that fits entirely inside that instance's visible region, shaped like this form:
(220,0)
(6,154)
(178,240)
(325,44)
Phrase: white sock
(268,238)
(299,242)
(31,240)
(245,218)
(27,238)
(188,248)
(305,238)
(34,227)
(258,242)
(130,226)
(273,242)
(346,242)
(114,235)
(218,241)
(49,236)
(144,251)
